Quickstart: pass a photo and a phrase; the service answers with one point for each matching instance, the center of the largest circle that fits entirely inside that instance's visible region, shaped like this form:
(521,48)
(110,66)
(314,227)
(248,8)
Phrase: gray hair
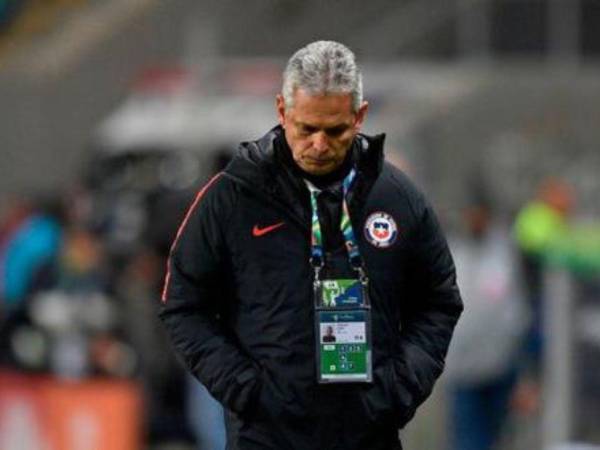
(323,67)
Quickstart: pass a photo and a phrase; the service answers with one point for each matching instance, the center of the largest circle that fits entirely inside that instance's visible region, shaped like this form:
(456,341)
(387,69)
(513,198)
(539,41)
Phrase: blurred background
(114,112)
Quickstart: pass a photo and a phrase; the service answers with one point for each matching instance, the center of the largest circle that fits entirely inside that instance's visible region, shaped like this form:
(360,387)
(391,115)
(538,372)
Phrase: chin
(314,169)
(319,170)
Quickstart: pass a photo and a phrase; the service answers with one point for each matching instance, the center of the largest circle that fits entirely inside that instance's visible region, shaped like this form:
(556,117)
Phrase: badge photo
(381,230)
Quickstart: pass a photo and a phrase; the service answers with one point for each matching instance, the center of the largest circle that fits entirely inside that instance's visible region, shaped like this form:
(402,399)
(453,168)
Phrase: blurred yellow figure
(542,221)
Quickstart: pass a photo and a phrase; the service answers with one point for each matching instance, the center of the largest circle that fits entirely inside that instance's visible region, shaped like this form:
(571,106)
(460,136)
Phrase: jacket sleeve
(430,316)
(193,297)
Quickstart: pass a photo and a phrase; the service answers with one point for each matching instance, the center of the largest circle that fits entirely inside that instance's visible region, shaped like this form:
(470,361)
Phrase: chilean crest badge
(381,230)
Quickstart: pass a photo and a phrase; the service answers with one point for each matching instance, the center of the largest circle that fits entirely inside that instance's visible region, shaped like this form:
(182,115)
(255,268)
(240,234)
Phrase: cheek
(295,141)
(303,143)
(299,146)
(343,142)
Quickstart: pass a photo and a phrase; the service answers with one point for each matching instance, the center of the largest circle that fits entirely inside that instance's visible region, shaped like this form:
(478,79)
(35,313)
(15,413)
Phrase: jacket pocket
(387,401)
(280,412)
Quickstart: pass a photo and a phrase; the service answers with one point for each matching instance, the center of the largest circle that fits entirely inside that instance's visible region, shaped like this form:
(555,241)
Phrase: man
(329,336)
(487,349)
(312,201)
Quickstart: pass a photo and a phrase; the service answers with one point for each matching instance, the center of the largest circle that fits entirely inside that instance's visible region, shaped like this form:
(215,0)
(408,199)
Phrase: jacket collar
(260,158)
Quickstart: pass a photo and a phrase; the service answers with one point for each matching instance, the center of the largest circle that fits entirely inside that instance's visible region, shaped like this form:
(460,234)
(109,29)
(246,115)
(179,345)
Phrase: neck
(333,177)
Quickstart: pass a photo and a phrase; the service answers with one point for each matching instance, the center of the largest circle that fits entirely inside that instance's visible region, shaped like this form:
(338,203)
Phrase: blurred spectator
(483,360)
(539,225)
(82,265)
(30,238)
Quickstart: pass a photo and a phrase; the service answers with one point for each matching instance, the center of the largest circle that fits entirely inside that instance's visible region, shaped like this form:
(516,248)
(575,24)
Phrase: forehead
(323,109)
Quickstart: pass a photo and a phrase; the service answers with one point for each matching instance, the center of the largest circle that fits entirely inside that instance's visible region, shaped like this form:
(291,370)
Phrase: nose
(320,142)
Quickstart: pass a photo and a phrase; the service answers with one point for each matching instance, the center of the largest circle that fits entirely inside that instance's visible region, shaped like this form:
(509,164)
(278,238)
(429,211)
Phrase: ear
(280,105)
(361,115)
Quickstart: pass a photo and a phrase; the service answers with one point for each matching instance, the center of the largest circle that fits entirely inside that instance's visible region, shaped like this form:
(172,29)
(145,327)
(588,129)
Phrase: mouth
(318,162)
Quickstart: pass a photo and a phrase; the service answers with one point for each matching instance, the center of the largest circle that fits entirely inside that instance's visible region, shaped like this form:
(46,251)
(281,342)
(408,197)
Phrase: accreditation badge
(343,328)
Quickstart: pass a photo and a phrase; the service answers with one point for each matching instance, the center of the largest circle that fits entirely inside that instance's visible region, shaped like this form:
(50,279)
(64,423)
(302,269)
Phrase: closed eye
(333,132)
(336,131)
(308,129)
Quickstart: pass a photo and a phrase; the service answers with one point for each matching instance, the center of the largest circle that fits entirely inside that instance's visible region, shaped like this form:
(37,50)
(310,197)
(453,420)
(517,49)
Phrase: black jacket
(238,304)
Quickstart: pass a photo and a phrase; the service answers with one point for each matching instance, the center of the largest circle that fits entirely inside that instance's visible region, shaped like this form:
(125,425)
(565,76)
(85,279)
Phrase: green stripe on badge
(345,316)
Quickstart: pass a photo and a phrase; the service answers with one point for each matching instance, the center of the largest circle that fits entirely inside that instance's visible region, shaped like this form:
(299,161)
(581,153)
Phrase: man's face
(319,129)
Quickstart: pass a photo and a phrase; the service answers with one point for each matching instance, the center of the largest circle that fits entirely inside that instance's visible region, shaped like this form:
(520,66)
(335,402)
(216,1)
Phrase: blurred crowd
(80,279)
(497,364)
(493,367)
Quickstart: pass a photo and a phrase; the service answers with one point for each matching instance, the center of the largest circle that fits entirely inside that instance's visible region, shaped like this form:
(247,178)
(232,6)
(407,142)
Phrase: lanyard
(317,259)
